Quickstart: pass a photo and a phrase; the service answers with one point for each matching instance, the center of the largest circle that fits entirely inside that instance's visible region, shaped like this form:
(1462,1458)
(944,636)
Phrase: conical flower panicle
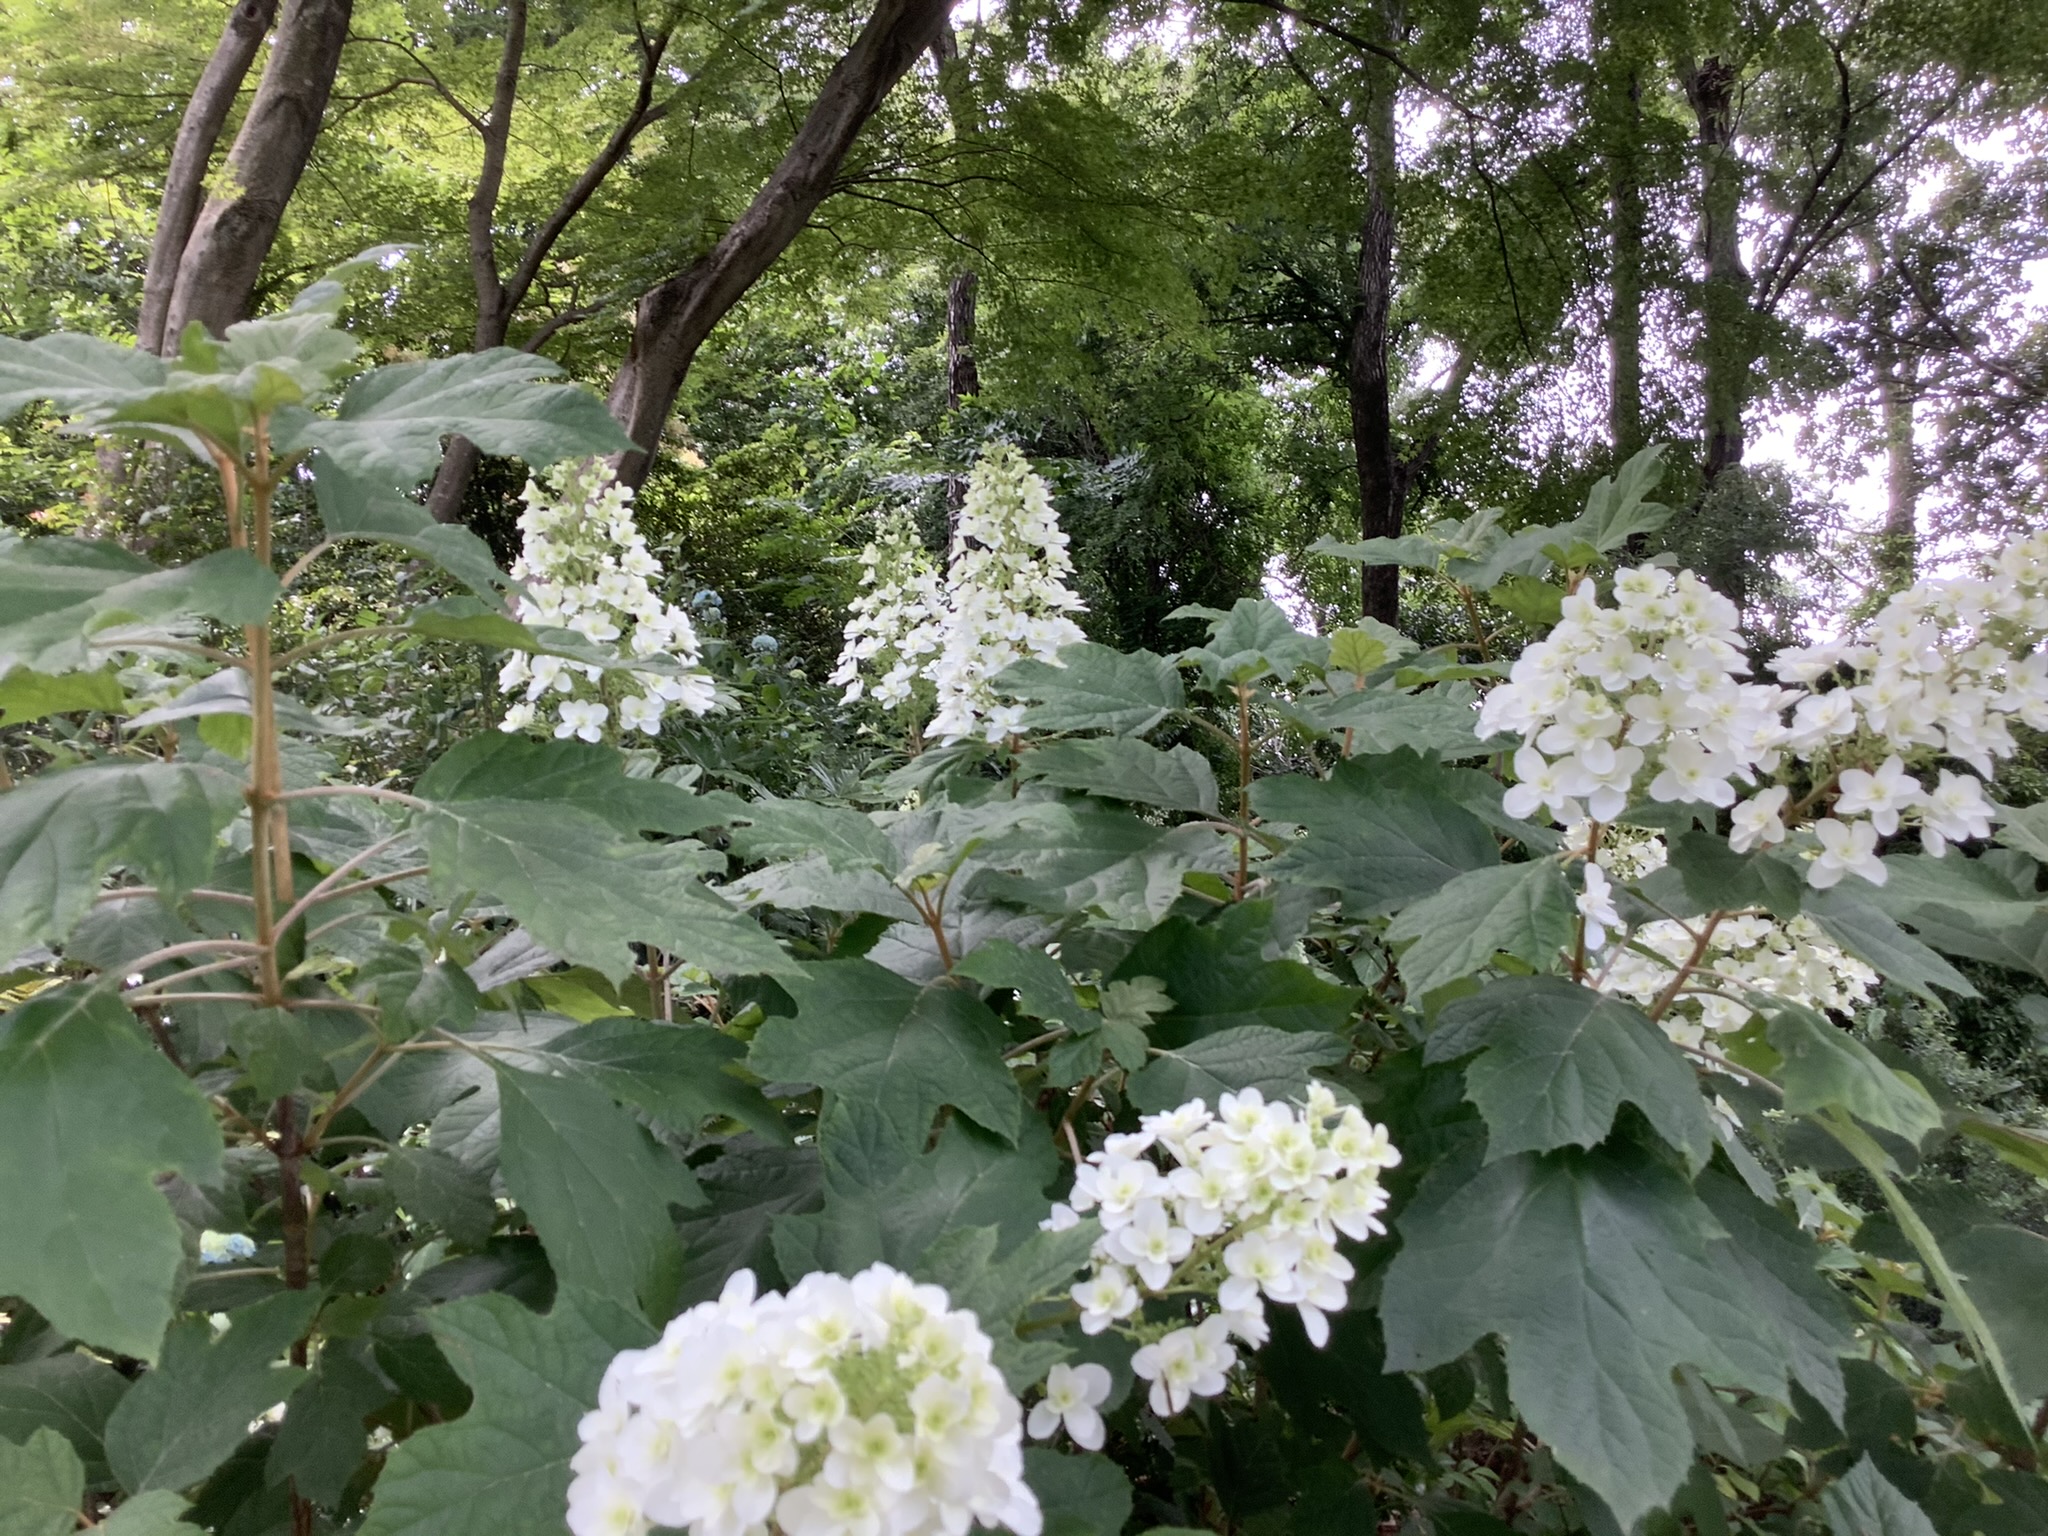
(587,569)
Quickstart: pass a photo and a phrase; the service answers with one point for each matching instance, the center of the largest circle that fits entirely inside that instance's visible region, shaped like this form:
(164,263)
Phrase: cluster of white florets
(1649,689)
(1005,599)
(1224,1212)
(1007,596)
(587,569)
(861,1407)
(897,623)
(1943,670)
(1792,960)
(1646,697)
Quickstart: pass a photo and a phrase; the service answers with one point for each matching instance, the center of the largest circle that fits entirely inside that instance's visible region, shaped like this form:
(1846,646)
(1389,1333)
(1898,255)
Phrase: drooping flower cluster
(897,623)
(1238,1207)
(861,1407)
(586,569)
(1005,598)
(1792,959)
(1646,697)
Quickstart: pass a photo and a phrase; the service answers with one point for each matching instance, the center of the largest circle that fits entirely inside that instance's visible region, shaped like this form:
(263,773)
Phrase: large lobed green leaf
(550,835)
(41,1486)
(182,1419)
(62,833)
(70,1393)
(1828,1068)
(1095,688)
(1380,832)
(595,1187)
(57,594)
(1121,768)
(1277,1062)
(1523,910)
(889,1054)
(354,507)
(502,1469)
(74,373)
(1219,978)
(89,1115)
(1602,1273)
(1555,1062)
(391,421)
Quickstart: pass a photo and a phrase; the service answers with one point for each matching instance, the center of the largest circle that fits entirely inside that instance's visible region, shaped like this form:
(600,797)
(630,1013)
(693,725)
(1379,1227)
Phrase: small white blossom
(1074,1395)
(1596,906)
(1846,848)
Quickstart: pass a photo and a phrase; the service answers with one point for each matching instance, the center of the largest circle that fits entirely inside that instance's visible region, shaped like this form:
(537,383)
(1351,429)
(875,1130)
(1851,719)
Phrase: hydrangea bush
(1303,1083)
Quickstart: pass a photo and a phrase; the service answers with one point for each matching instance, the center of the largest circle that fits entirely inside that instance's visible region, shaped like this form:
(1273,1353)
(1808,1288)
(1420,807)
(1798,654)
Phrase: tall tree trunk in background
(1899,547)
(498,297)
(673,319)
(493,306)
(1381,488)
(963,379)
(1729,349)
(185,180)
(232,236)
(1619,106)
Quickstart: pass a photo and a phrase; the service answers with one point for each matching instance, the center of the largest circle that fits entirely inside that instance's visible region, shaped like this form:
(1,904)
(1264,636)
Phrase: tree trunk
(494,304)
(963,380)
(1381,493)
(1898,547)
(1625,225)
(673,319)
(1729,347)
(185,180)
(218,269)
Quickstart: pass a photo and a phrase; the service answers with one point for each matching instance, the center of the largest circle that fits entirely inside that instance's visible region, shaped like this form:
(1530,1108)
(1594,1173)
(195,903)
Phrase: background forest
(1356,343)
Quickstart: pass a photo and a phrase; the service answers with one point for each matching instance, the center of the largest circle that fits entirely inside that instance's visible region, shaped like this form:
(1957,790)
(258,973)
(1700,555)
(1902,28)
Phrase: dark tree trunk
(673,319)
(1625,218)
(498,298)
(185,180)
(963,380)
(1381,491)
(1729,347)
(232,236)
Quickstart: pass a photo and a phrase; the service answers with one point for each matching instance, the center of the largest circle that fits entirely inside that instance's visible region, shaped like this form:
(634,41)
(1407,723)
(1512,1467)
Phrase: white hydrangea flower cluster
(587,569)
(1243,1206)
(1007,596)
(848,1407)
(1943,670)
(897,623)
(1649,688)
(1794,960)
(1645,696)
